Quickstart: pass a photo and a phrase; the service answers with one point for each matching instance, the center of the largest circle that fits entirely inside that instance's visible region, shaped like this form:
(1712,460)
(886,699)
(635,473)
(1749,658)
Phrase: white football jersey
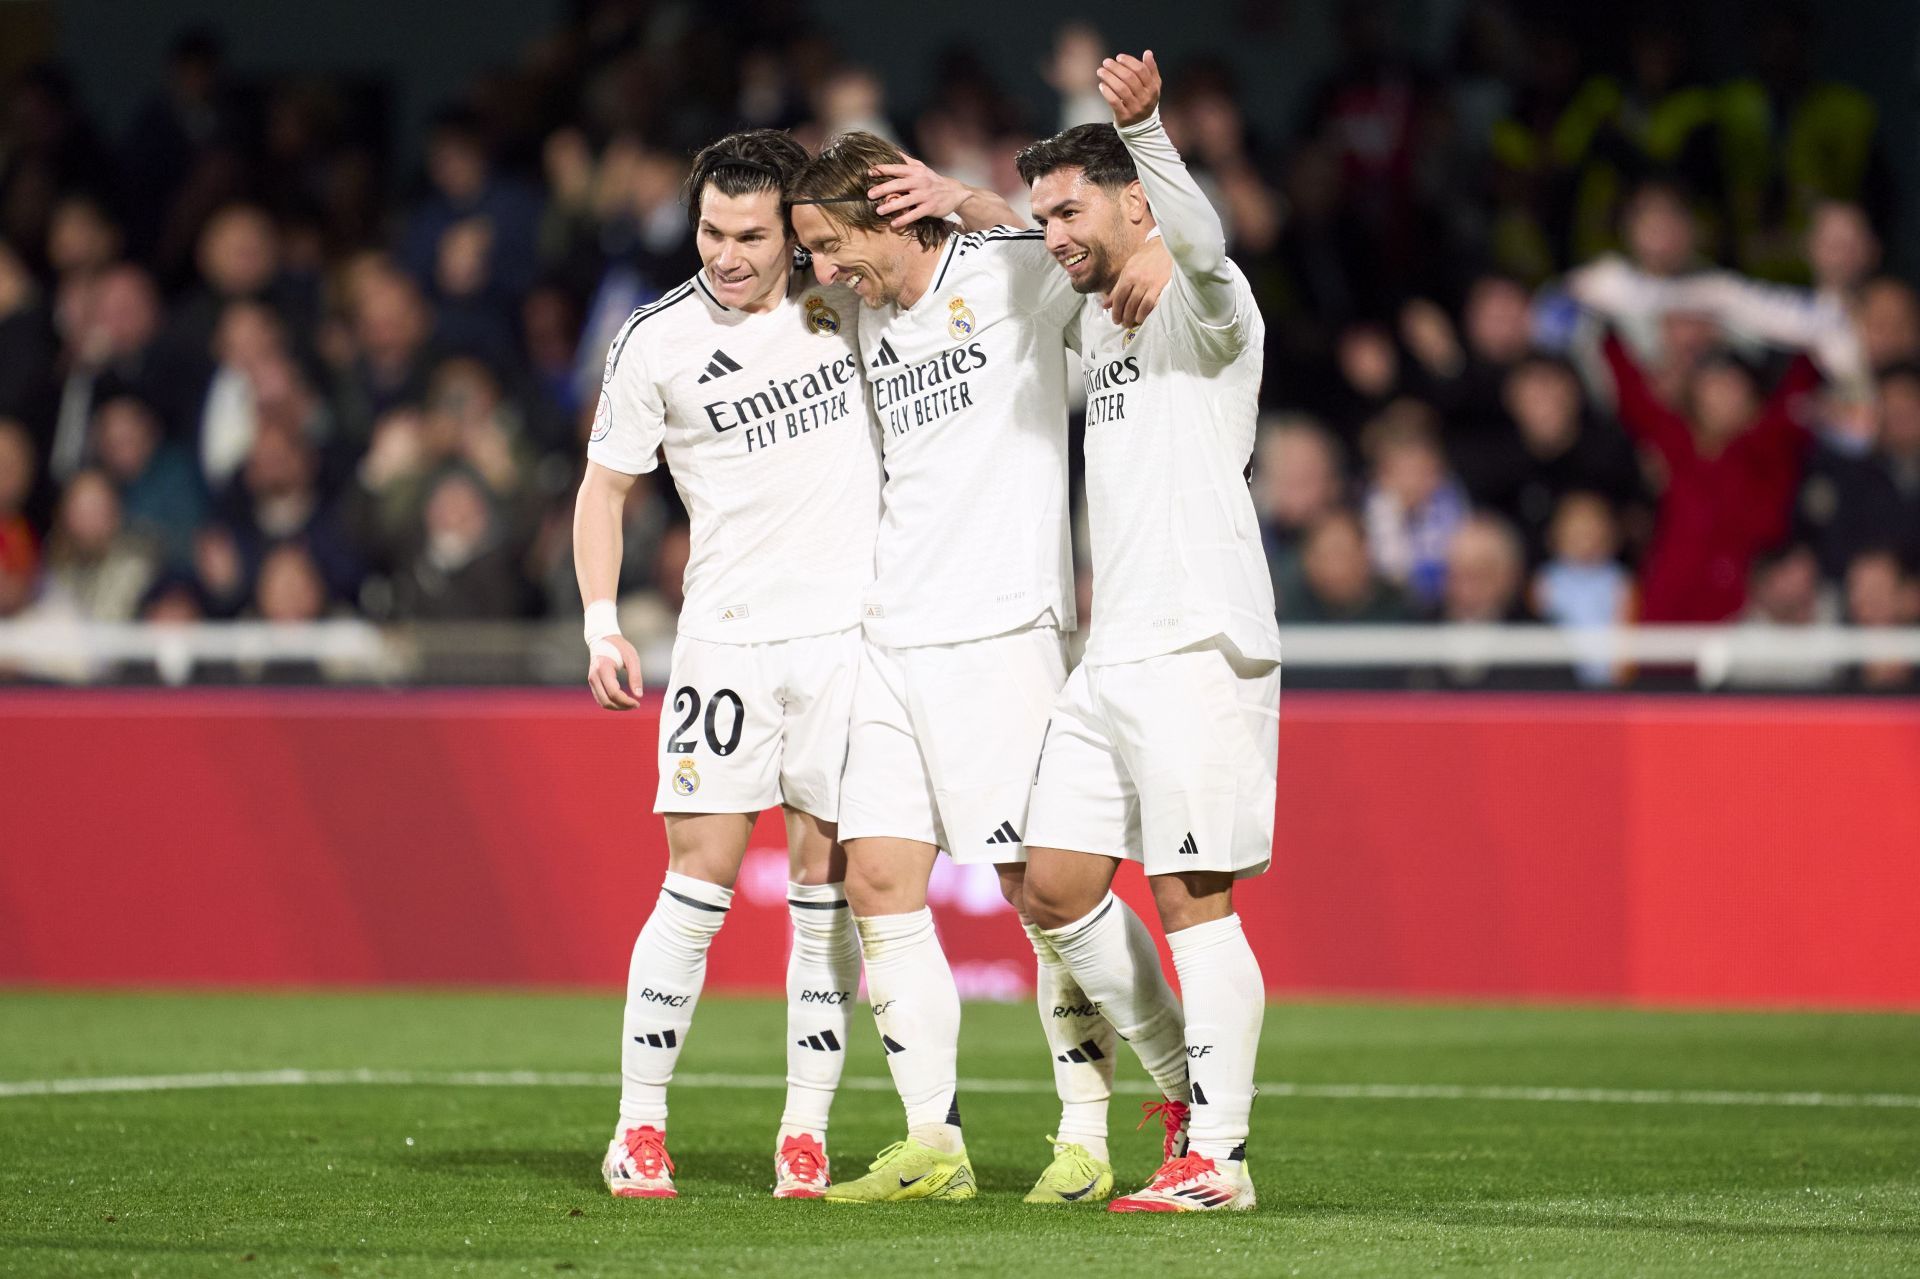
(968,388)
(763,423)
(1171,410)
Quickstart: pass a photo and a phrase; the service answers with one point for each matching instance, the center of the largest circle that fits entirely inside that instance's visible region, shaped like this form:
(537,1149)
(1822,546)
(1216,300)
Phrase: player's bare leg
(1226,1002)
(823,976)
(917,1010)
(1069,896)
(664,978)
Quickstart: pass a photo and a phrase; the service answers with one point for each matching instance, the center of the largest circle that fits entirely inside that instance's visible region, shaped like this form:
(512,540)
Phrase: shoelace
(887,1154)
(803,1158)
(1082,1164)
(1169,1112)
(1185,1168)
(648,1149)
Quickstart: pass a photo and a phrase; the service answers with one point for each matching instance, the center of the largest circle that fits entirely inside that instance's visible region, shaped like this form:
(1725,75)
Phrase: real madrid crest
(822,318)
(1126,340)
(686,778)
(959,320)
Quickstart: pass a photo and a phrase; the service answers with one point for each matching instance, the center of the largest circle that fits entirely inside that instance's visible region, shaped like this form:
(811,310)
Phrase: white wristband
(603,619)
(603,648)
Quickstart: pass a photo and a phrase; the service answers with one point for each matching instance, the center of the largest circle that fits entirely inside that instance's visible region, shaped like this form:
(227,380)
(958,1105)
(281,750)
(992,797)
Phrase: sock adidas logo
(1188,848)
(885,356)
(719,366)
(1087,1051)
(665,1039)
(889,1045)
(1199,1098)
(1006,834)
(823,1042)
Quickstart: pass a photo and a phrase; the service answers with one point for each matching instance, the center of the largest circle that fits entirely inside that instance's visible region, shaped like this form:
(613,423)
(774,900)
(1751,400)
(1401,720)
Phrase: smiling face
(871,263)
(1090,230)
(744,248)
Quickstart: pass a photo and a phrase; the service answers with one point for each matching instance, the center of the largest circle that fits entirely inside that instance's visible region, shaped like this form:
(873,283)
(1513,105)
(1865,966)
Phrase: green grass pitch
(1683,1145)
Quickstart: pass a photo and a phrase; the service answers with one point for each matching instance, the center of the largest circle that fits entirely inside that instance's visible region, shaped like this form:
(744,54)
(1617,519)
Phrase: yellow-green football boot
(1074,1177)
(909,1170)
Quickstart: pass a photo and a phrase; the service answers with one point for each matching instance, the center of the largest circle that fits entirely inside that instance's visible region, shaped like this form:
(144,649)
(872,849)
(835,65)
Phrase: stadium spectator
(1337,582)
(278,500)
(160,494)
(1584,585)
(19,540)
(1485,573)
(1546,443)
(27,345)
(488,223)
(1730,468)
(461,569)
(1786,594)
(1864,493)
(1413,504)
(1297,480)
(91,559)
(1881,593)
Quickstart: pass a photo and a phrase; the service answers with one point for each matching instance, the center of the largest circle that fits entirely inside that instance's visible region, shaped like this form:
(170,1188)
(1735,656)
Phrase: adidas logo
(719,366)
(1006,834)
(1188,848)
(1199,1098)
(1206,1196)
(822,1042)
(889,1045)
(886,355)
(665,1039)
(1086,1052)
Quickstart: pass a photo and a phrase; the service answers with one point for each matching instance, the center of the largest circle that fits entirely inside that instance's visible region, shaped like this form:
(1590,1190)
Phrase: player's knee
(1013,880)
(1052,901)
(1184,901)
(881,885)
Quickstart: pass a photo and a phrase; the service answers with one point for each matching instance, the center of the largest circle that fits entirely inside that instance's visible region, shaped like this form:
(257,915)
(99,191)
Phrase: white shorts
(748,726)
(1170,762)
(944,742)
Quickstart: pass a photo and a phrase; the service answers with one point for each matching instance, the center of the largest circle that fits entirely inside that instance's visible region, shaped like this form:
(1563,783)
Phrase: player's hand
(913,191)
(1141,281)
(1131,87)
(603,673)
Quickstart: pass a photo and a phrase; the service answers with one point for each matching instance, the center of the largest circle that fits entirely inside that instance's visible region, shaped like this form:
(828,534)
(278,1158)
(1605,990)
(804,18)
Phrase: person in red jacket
(1731,463)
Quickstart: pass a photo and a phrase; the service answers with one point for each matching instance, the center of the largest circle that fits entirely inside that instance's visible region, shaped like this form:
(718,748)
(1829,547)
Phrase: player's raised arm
(1186,218)
(906,192)
(597,545)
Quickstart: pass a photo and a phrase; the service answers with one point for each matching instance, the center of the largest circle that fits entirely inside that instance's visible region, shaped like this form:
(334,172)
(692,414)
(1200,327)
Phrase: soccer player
(964,342)
(1164,743)
(746,380)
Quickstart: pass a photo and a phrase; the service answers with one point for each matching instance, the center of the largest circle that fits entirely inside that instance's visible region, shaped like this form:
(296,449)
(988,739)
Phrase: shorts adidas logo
(719,366)
(665,1039)
(1086,1052)
(1006,834)
(822,1042)
(1188,848)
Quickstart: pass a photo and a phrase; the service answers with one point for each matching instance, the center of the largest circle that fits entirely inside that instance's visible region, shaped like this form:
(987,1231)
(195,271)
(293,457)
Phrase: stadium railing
(359,652)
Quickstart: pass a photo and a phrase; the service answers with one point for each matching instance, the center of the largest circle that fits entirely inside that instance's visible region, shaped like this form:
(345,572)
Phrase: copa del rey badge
(822,318)
(959,320)
(686,778)
(602,418)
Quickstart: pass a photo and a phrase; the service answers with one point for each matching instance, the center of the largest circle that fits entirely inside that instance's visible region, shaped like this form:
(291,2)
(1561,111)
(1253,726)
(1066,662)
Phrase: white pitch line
(871,1083)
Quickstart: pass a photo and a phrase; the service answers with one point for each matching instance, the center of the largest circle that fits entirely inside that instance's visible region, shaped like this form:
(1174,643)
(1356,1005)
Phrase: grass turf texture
(413,1180)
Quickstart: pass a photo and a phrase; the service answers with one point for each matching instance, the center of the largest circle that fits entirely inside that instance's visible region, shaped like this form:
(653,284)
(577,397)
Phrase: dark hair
(838,179)
(1095,149)
(742,163)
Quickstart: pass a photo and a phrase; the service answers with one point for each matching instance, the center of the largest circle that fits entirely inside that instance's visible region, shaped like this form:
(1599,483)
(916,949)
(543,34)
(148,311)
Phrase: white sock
(917,1009)
(1113,958)
(823,976)
(1226,1001)
(1081,1042)
(663,984)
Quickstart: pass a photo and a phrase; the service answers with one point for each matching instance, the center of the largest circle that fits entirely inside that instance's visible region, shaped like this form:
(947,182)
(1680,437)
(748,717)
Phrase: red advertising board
(1595,848)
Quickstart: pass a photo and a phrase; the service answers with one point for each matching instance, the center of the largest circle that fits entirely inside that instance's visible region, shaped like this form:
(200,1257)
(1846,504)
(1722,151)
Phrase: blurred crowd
(1553,336)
